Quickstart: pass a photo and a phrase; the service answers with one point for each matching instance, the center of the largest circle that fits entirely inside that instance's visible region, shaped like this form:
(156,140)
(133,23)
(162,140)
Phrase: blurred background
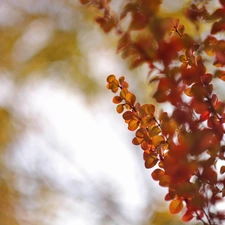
(65,154)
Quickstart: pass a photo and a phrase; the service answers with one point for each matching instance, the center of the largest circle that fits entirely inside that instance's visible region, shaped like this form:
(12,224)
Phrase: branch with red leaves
(184,147)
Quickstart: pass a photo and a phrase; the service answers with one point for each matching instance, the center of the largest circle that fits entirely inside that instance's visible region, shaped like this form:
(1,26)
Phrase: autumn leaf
(157,174)
(188,216)
(120,108)
(176,206)
(222,169)
(130,98)
(151,161)
(133,125)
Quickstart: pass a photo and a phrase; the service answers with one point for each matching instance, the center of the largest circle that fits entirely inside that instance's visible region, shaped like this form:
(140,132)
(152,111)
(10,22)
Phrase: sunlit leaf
(123,93)
(120,108)
(137,141)
(147,138)
(188,92)
(183,58)
(151,162)
(145,145)
(140,133)
(165,180)
(205,115)
(153,131)
(157,174)
(117,99)
(130,98)
(209,45)
(157,140)
(220,74)
(176,206)
(133,125)
(149,109)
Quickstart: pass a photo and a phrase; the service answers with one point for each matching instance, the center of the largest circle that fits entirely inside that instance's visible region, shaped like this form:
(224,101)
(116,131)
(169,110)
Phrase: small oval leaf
(175,206)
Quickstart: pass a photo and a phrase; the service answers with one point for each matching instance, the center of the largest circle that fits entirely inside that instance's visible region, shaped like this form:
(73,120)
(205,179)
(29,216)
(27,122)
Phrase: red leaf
(218,27)
(168,197)
(205,115)
(127,115)
(206,78)
(188,216)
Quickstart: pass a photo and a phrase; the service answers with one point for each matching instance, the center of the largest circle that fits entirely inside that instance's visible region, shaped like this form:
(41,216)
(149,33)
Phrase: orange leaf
(220,74)
(119,108)
(137,141)
(117,99)
(188,216)
(127,115)
(188,92)
(140,133)
(156,174)
(144,145)
(153,131)
(146,122)
(110,78)
(130,98)
(175,206)
(133,125)
(123,93)
(149,109)
(222,169)
(183,58)
(165,181)
(151,161)
(156,140)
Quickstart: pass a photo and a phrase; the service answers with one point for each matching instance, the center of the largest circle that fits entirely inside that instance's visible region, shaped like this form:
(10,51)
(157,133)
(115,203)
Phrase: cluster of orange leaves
(183,147)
